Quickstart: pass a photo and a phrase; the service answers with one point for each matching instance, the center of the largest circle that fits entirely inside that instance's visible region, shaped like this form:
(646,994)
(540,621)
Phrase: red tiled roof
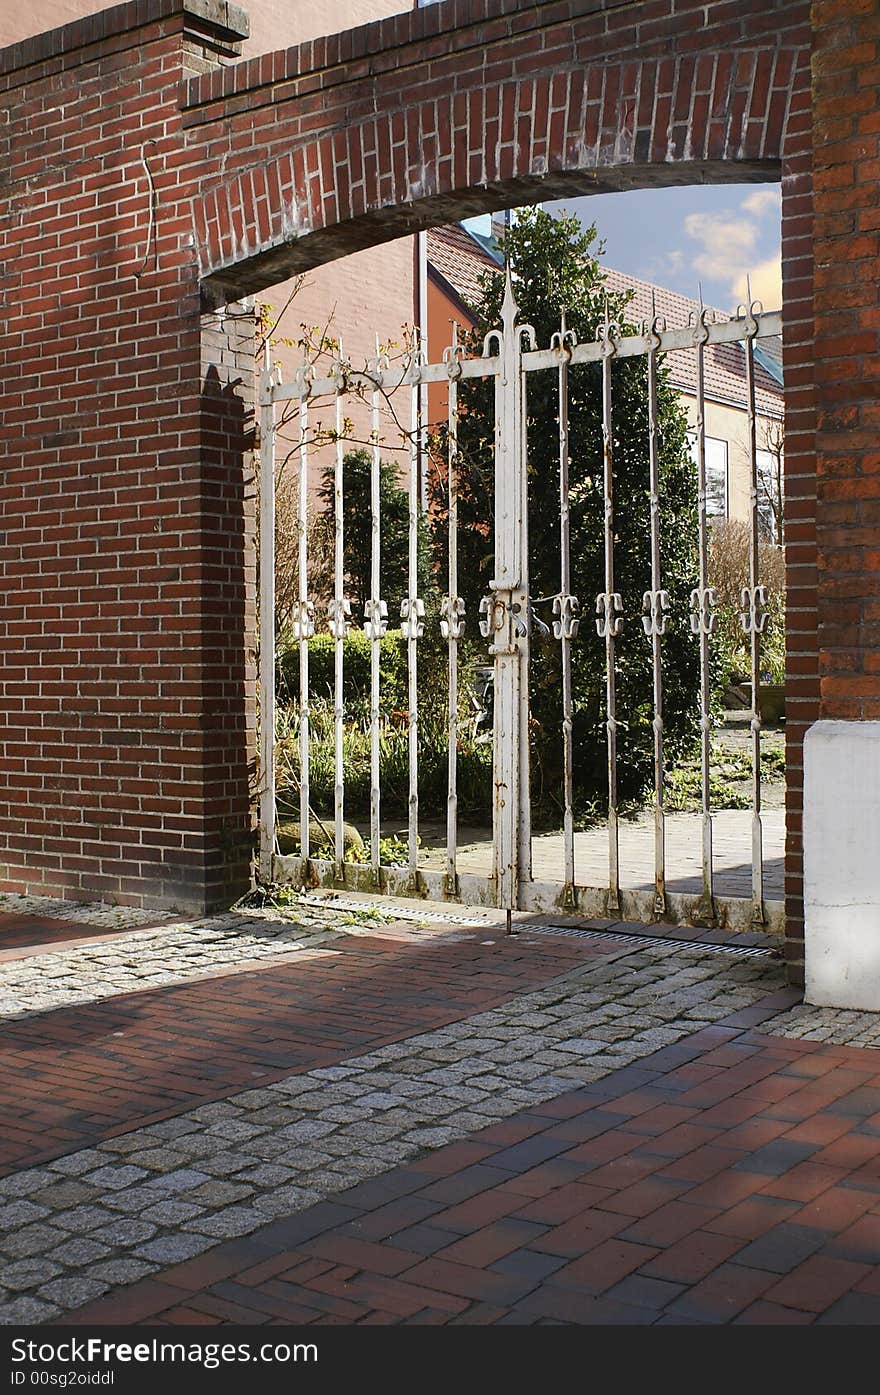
(723,364)
(462,262)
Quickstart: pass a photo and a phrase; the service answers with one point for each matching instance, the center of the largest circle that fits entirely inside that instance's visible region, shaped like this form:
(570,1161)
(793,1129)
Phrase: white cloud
(762,201)
(765,280)
(729,244)
(726,241)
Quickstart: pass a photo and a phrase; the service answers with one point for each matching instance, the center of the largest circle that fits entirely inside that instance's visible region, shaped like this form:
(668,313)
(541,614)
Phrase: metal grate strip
(417,914)
(653,941)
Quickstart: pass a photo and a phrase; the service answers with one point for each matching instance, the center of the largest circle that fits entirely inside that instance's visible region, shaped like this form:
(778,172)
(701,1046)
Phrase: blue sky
(710,233)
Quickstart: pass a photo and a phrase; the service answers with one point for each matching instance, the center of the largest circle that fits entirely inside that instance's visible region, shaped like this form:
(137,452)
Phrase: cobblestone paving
(106,1216)
(143,959)
(835,1026)
(87,913)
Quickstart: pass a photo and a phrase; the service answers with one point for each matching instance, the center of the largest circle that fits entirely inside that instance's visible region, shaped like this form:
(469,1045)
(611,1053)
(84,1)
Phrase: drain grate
(390,908)
(477,921)
(651,941)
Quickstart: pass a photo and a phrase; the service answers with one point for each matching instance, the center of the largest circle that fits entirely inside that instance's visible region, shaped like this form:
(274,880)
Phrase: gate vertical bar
(452,622)
(565,606)
(506,611)
(303,623)
(655,605)
(703,623)
(523,609)
(609,609)
(267,620)
(753,619)
(411,613)
(376,618)
(339,626)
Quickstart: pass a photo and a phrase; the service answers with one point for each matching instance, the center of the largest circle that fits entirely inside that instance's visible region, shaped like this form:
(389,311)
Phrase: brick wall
(846,76)
(126,691)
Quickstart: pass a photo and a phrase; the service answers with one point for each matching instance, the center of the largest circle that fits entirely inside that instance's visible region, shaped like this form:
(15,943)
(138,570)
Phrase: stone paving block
(22,1212)
(81,1251)
(31,1240)
(26,1309)
(233,1221)
(114,1178)
(170,1249)
(285,1200)
(72,1292)
(122,1271)
(29,1274)
(217,1193)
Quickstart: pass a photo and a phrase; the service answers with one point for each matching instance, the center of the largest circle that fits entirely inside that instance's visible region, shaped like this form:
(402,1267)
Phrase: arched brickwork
(404,131)
(259,168)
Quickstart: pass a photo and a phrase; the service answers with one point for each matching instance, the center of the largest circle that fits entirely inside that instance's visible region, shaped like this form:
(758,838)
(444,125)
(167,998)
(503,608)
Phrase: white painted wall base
(842,864)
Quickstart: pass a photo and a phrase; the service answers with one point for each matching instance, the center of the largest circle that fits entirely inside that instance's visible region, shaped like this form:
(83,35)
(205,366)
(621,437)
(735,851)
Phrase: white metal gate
(505,621)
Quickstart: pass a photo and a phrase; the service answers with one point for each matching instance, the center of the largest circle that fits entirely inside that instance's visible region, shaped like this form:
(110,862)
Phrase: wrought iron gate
(506,621)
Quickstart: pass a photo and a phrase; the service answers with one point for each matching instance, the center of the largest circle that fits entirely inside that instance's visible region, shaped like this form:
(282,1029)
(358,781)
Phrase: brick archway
(621,99)
(129,421)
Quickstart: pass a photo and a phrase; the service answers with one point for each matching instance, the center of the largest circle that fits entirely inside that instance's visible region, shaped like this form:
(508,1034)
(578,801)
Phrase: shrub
(728,565)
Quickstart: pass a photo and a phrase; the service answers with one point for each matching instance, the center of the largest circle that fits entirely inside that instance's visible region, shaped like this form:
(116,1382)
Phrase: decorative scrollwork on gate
(609,614)
(494,612)
(567,611)
(452,359)
(339,617)
(703,602)
(375,618)
(753,616)
(655,608)
(302,625)
(412,615)
(452,617)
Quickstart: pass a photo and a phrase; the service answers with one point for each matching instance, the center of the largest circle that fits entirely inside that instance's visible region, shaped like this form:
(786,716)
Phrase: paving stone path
(236,1202)
(138,959)
(833,1025)
(110,1214)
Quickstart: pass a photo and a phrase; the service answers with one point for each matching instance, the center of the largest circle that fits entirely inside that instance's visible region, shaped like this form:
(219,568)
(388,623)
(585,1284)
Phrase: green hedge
(393,686)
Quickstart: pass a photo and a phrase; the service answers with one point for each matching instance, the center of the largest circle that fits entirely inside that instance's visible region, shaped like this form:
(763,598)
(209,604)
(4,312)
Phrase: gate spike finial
(509,307)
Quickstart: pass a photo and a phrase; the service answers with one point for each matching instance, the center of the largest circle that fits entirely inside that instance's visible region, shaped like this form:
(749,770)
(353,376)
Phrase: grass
(730,778)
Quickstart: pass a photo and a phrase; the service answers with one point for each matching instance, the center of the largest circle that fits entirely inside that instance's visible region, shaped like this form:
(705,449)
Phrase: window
(716,473)
(768,494)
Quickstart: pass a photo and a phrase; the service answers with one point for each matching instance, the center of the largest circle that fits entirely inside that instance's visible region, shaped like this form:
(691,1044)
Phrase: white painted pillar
(842,864)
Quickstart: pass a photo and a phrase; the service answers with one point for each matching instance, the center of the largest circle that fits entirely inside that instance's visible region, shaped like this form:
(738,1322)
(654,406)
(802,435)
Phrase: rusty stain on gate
(506,620)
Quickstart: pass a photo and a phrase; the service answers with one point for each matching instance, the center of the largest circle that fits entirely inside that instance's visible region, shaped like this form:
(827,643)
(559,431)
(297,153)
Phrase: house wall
(731,424)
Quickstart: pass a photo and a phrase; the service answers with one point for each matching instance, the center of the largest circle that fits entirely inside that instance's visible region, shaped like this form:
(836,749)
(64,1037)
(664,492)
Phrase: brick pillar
(125,700)
(842,749)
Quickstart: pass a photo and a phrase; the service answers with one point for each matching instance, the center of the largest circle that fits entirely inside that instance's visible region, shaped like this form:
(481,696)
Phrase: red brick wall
(846,77)
(126,697)
(128,559)
(356,138)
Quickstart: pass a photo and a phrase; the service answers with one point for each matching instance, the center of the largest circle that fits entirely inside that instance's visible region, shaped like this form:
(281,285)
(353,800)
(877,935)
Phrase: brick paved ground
(430,1126)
